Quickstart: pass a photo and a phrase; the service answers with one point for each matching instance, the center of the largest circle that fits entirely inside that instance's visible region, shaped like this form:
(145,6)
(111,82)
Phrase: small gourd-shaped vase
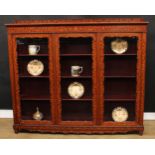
(38,115)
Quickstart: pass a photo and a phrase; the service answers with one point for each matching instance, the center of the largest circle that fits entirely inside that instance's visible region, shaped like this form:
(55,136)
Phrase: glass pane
(76,78)
(33,69)
(120,59)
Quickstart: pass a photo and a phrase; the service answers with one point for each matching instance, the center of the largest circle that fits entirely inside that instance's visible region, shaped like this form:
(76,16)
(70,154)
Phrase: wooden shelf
(28,76)
(35,98)
(117,77)
(76,116)
(29,118)
(74,55)
(79,77)
(81,99)
(120,100)
(120,96)
(38,55)
(120,54)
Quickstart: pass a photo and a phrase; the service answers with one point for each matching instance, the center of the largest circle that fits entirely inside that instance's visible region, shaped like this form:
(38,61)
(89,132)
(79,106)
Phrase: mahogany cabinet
(110,80)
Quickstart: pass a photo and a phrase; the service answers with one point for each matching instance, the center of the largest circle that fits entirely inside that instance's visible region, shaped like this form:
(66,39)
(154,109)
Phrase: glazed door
(75,78)
(34,87)
(121,71)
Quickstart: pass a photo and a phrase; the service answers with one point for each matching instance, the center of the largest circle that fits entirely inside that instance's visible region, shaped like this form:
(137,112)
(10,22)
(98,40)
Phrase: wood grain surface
(6,132)
(97,30)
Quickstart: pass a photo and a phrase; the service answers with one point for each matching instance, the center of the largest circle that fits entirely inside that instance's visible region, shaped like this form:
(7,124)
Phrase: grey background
(5,94)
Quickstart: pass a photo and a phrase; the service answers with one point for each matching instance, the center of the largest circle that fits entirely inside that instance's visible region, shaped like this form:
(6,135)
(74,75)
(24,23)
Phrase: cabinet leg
(16,131)
(141,132)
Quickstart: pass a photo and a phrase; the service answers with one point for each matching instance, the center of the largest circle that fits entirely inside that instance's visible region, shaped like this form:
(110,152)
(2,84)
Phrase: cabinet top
(96,21)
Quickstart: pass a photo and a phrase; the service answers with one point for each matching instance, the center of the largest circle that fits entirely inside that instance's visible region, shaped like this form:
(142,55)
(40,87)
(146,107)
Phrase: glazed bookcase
(110,80)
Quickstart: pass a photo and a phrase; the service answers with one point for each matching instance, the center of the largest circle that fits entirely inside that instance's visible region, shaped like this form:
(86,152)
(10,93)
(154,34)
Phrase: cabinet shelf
(120,96)
(70,99)
(117,55)
(117,77)
(28,76)
(79,77)
(74,55)
(77,117)
(120,100)
(38,55)
(35,99)
(29,98)
(30,119)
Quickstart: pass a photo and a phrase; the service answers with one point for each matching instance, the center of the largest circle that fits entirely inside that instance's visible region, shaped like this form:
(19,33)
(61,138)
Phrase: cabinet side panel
(138,79)
(12,59)
(16,79)
(10,55)
(143,66)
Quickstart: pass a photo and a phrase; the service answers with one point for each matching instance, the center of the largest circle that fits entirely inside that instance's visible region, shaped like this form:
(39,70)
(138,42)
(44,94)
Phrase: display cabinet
(78,76)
